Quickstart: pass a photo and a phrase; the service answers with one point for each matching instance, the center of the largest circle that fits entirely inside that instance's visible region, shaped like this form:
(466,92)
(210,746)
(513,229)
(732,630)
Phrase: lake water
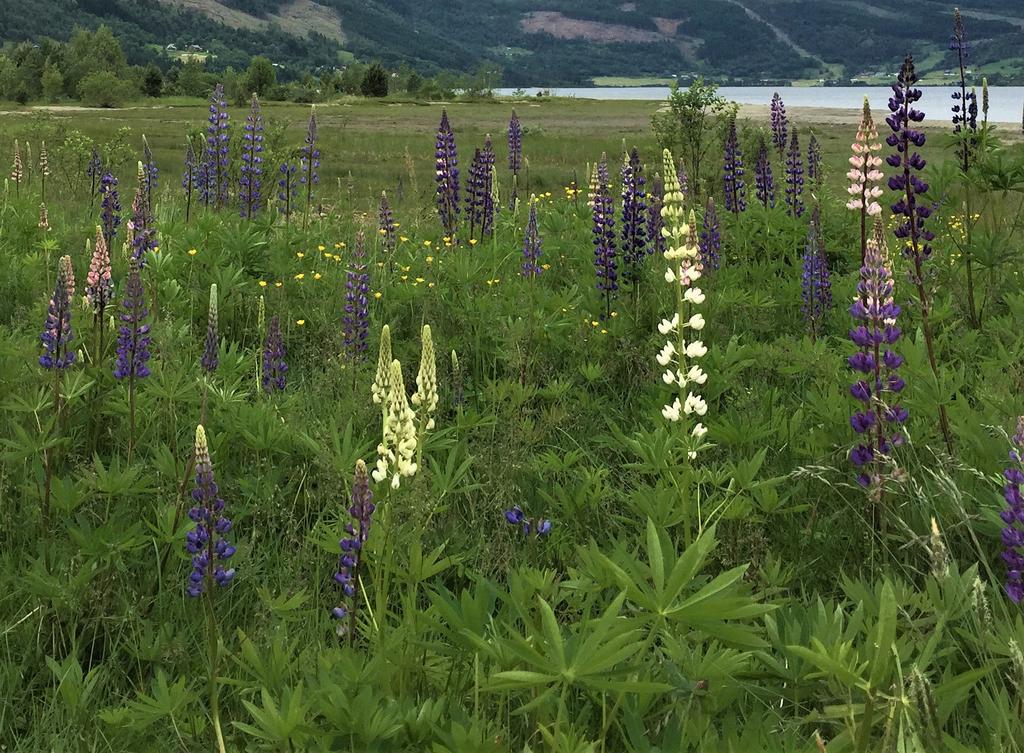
(1005,102)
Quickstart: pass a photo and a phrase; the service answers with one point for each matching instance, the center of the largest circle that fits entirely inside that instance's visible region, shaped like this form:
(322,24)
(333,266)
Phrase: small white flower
(671,412)
(670,276)
(696,322)
(696,349)
(667,325)
(694,295)
(695,404)
(691,455)
(696,374)
(668,377)
(699,431)
(666,354)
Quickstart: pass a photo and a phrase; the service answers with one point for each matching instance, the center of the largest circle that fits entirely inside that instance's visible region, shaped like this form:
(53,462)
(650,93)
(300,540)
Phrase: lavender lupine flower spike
(879,418)
(684,180)
(356,322)
(1013,517)
(274,366)
(447,177)
(487,188)
(211,349)
(732,173)
(779,124)
(475,194)
(133,339)
(387,229)
(634,218)
(216,158)
(309,164)
(710,243)
(532,244)
(816,283)
(141,233)
(515,154)
(794,178)
(206,542)
(764,180)
(110,213)
(358,531)
(250,183)
(287,186)
(57,333)
(605,261)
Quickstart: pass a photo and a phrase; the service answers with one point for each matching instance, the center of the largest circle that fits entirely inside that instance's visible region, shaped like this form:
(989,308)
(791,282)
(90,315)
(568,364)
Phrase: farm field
(576,460)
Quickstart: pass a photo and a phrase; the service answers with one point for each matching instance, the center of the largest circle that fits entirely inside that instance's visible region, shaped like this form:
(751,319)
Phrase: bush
(102,89)
(375,82)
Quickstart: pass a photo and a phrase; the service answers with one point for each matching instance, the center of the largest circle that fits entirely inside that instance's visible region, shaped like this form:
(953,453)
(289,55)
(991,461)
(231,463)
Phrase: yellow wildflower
(192,252)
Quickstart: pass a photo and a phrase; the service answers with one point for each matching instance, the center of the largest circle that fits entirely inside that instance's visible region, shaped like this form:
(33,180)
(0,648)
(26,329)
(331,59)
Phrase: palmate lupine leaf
(592,656)
(666,589)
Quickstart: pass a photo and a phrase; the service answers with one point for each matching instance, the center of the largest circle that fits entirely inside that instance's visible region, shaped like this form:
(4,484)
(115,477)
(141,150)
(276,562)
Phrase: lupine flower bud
(814,172)
(67,269)
(206,541)
(425,397)
(18,169)
(44,218)
(458,391)
(381,381)
(211,350)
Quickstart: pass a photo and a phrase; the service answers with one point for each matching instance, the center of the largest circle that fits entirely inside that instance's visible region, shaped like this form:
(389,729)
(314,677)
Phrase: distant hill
(549,42)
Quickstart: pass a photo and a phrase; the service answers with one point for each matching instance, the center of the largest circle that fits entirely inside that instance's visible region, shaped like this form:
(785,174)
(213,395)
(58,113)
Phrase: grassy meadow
(751,596)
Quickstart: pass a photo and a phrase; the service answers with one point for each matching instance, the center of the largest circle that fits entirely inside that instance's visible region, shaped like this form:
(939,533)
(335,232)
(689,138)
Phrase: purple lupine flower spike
(634,218)
(879,417)
(475,193)
(94,171)
(965,102)
(133,339)
(309,163)
(779,124)
(387,229)
(206,542)
(710,242)
(655,223)
(515,144)
(141,232)
(287,186)
(150,175)
(487,188)
(358,531)
(211,349)
(250,183)
(605,261)
(764,180)
(814,173)
(57,333)
(447,177)
(356,321)
(1013,517)
(532,245)
(110,211)
(794,178)
(732,173)
(274,366)
(816,282)
(684,180)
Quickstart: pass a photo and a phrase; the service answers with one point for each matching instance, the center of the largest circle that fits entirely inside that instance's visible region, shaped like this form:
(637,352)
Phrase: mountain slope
(551,42)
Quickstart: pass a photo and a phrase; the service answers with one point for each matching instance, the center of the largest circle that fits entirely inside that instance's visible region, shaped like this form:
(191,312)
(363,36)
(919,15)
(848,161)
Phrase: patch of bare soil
(561,26)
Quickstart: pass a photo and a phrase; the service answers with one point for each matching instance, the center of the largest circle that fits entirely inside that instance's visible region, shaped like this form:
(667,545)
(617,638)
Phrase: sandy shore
(842,116)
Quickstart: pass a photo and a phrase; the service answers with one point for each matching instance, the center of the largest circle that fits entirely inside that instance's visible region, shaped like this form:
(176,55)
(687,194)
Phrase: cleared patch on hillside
(299,18)
(667,26)
(561,26)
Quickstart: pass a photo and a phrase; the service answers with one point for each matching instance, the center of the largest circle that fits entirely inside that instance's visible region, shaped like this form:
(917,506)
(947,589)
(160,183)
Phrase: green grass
(748,599)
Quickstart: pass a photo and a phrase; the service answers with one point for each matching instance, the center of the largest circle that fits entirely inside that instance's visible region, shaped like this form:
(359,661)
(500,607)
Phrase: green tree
(192,80)
(375,82)
(686,125)
(89,52)
(102,89)
(152,81)
(53,82)
(260,77)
